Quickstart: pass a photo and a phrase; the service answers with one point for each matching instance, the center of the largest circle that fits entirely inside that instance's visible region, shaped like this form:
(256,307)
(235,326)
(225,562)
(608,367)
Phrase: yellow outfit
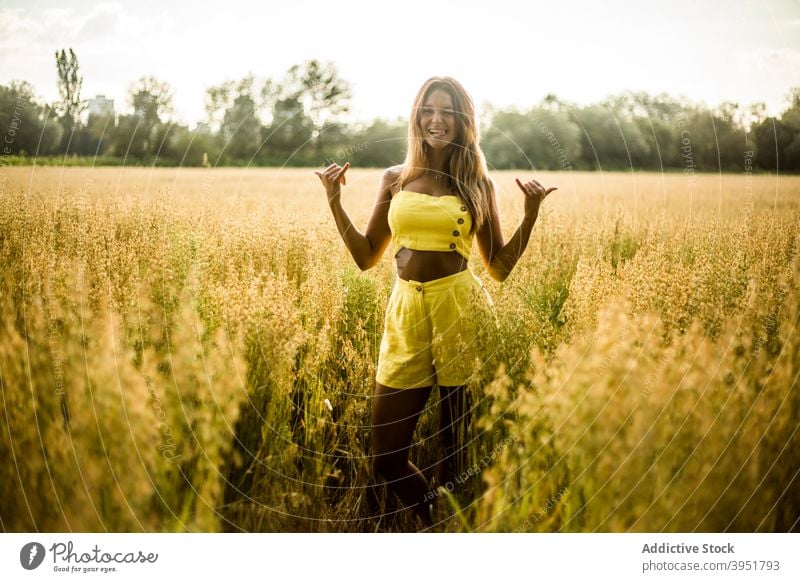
(429,223)
(428,326)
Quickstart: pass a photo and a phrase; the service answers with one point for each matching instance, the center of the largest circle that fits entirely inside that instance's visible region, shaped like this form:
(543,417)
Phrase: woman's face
(438,120)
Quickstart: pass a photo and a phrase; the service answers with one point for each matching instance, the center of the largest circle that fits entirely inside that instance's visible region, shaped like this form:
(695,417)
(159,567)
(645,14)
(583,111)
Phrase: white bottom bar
(388,557)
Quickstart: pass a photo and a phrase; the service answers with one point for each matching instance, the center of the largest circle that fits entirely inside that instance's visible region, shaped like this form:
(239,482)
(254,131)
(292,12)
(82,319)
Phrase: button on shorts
(430,331)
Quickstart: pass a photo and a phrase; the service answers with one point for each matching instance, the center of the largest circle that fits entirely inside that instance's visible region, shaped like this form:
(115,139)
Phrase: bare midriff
(425,266)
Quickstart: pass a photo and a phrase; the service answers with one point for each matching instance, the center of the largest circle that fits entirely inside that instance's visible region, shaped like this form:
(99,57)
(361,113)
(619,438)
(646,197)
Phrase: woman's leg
(453,417)
(394,417)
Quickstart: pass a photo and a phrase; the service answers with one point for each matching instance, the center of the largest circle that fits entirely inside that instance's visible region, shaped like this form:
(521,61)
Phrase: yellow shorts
(430,331)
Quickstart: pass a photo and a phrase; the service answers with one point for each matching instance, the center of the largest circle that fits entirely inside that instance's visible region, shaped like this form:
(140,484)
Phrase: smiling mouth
(437,132)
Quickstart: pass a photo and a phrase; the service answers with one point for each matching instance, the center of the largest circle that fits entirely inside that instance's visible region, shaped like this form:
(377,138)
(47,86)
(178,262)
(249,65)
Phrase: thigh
(404,358)
(395,413)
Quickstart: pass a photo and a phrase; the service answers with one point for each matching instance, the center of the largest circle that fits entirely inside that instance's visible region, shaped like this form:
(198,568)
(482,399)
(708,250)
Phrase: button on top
(463,209)
(419,288)
(460,221)
(456,233)
(452,245)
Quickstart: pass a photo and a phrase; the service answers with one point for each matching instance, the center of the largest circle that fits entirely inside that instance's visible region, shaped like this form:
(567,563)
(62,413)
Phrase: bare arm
(367,248)
(500,258)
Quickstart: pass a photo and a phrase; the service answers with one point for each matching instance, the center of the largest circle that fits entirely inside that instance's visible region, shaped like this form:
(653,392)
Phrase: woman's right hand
(332,178)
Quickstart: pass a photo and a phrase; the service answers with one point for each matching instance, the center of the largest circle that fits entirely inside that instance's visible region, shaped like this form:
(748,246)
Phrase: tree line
(298,120)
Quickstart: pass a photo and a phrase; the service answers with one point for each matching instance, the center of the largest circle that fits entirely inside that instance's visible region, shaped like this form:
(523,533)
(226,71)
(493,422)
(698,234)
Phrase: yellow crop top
(422,222)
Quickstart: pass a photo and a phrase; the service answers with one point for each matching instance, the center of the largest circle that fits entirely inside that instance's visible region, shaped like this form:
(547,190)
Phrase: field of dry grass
(194,350)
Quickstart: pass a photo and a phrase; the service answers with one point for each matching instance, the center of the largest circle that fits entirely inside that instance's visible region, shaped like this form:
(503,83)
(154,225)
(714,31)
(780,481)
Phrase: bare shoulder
(393,172)
(389,177)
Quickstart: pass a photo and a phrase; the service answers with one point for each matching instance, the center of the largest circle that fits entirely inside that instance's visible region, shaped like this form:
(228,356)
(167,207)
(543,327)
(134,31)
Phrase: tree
(69,86)
(290,129)
(218,99)
(97,134)
(190,148)
(791,118)
(71,106)
(609,137)
(241,128)
(324,95)
(778,139)
(380,144)
(151,99)
(28,126)
(773,138)
(145,130)
(236,108)
(508,140)
(551,102)
(540,138)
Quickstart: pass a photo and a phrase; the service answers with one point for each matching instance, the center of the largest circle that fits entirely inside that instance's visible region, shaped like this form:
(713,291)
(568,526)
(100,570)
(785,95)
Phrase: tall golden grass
(194,350)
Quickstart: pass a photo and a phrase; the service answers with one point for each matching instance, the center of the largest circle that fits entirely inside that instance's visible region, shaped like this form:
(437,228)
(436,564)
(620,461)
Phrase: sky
(503,52)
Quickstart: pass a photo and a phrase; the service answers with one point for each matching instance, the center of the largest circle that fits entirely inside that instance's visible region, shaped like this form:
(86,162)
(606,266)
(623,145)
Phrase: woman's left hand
(534,194)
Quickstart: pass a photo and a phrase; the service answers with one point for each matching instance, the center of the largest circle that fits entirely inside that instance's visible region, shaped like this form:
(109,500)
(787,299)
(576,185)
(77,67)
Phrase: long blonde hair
(467,173)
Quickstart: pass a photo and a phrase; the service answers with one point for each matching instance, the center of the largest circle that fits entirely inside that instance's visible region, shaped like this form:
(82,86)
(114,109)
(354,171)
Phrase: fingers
(535,188)
(340,173)
(335,168)
(331,173)
(530,188)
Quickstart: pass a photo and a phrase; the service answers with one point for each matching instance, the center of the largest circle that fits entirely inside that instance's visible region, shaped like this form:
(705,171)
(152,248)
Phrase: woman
(430,208)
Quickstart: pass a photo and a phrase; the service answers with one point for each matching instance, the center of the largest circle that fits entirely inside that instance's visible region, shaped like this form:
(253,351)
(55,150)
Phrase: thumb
(520,185)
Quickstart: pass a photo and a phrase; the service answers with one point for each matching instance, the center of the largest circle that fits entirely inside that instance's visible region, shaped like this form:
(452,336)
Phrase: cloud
(103,20)
(105,37)
(783,62)
(23,32)
(13,23)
